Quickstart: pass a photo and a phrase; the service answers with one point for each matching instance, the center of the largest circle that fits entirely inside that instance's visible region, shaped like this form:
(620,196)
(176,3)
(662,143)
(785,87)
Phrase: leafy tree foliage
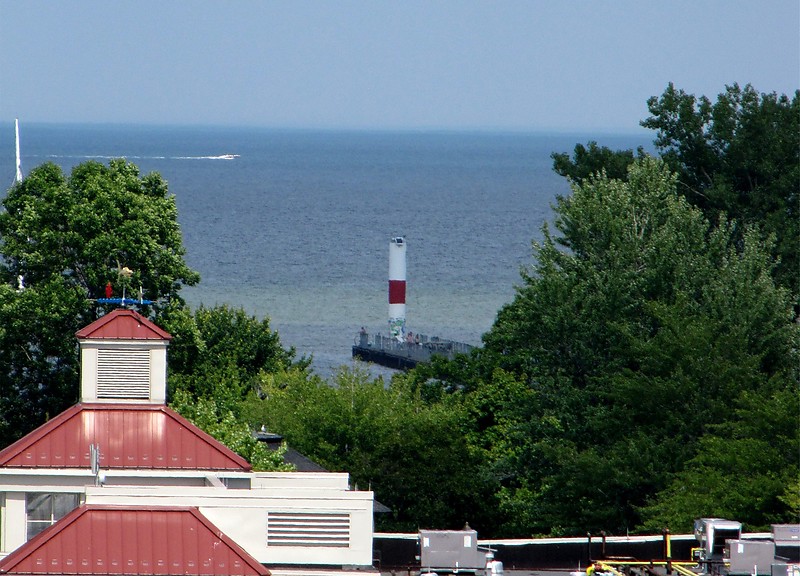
(587,162)
(222,344)
(638,327)
(217,357)
(738,156)
(38,356)
(738,160)
(212,416)
(412,453)
(61,240)
(746,467)
(85,228)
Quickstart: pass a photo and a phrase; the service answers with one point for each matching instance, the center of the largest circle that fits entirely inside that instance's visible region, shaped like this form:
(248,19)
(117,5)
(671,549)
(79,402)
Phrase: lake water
(296,226)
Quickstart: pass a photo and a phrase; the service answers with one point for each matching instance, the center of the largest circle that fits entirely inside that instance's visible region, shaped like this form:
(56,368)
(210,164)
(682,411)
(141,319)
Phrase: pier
(392,353)
(401,349)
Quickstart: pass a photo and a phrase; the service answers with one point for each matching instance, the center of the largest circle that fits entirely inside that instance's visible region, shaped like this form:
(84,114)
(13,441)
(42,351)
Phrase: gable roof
(140,436)
(94,539)
(123,324)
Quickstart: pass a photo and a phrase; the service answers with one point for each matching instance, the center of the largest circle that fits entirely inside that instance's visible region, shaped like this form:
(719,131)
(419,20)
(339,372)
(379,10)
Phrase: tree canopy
(218,356)
(62,239)
(652,322)
(640,328)
(86,227)
(414,454)
(738,157)
(222,343)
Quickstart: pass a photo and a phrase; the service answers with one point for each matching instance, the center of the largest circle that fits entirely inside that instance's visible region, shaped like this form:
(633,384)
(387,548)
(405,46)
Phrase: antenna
(18,177)
(94,456)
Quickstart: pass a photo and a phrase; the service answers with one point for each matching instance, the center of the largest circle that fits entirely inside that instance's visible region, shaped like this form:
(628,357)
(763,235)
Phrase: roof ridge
(40,435)
(52,533)
(118,315)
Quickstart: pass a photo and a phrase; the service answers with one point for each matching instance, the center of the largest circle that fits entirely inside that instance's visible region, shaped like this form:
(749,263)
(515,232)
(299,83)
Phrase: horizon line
(566,131)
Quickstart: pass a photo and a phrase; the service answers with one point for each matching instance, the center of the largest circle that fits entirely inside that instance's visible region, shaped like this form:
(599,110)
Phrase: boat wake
(108,157)
(220,157)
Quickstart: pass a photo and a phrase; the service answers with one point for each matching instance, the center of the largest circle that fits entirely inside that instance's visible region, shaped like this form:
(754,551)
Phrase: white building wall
(88,373)
(158,374)
(14,528)
(242,515)
(14,487)
(306,480)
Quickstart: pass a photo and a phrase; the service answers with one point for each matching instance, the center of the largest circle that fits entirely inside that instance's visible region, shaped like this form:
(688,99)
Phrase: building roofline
(51,426)
(150,330)
(28,549)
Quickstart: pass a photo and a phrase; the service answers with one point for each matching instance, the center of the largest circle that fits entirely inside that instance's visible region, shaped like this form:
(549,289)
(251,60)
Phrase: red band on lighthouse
(397,291)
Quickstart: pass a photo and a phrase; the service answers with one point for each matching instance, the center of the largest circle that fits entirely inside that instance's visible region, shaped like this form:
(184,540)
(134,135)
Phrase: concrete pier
(392,353)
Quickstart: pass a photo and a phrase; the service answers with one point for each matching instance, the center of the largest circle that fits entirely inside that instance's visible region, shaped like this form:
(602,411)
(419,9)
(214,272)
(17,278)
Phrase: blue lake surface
(296,225)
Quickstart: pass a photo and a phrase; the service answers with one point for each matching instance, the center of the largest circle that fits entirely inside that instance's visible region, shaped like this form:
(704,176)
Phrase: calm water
(297,226)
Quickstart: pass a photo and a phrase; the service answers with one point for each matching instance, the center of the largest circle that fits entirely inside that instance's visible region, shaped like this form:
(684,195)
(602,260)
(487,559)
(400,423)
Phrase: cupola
(123,359)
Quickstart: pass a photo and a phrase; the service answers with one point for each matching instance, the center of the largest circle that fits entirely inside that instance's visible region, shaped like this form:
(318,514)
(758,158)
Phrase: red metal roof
(140,436)
(96,539)
(123,324)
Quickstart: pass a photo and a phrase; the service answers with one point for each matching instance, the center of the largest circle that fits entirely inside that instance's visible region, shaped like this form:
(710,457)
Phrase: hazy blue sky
(527,65)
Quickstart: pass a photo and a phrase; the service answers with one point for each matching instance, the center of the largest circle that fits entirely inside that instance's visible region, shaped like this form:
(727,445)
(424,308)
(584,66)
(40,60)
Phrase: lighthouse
(396,350)
(397,288)
(18,177)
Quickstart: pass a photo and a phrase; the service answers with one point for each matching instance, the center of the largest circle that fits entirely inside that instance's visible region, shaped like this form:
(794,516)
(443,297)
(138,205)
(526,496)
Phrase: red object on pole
(109,291)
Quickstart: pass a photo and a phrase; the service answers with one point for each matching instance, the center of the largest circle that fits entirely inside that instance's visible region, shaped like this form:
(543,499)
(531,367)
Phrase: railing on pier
(406,354)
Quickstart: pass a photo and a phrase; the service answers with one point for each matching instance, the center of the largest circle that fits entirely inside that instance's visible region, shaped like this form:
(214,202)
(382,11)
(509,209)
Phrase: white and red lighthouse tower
(397,287)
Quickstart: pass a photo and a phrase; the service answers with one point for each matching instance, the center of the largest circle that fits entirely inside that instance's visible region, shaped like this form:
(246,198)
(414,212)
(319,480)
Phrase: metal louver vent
(308,529)
(123,374)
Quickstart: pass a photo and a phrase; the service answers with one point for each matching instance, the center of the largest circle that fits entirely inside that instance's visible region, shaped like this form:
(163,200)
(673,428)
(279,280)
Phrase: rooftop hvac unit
(781,569)
(787,542)
(750,556)
(450,551)
(711,534)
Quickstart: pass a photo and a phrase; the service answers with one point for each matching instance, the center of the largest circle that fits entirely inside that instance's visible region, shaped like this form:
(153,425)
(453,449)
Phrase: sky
(534,65)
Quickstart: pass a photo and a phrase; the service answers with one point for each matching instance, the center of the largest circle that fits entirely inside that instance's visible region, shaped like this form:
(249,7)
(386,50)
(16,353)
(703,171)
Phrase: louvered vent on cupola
(123,359)
(123,374)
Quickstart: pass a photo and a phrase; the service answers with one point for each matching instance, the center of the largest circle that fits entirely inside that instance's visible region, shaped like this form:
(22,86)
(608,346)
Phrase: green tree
(747,467)
(638,325)
(216,359)
(586,162)
(38,356)
(236,434)
(222,350)
(63,238)
(738,156)
(412,453)
(87,227)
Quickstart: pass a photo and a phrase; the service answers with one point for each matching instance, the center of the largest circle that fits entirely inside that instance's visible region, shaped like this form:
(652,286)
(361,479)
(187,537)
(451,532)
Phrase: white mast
(18,177)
